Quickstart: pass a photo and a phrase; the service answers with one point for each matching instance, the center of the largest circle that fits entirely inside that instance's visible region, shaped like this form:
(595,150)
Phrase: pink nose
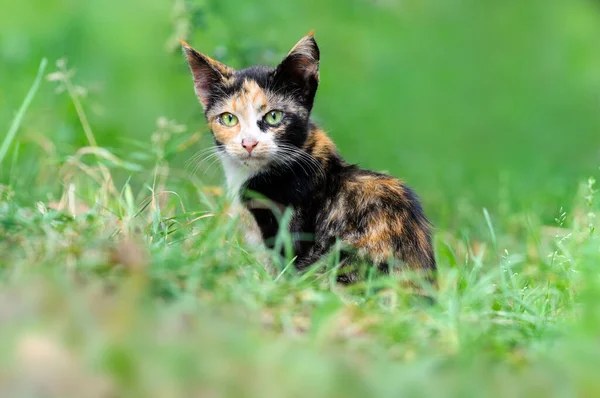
(249,144)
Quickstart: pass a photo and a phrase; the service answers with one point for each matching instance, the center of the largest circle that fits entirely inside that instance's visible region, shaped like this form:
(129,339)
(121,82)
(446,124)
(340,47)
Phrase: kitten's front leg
(252,236)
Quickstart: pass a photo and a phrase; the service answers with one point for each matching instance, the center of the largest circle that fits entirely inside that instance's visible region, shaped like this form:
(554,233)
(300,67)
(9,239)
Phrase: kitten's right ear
(301,67)
(207,73)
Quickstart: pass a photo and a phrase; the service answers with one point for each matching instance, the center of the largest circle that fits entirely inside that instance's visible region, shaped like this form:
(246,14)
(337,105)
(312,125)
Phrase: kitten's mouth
(255,156)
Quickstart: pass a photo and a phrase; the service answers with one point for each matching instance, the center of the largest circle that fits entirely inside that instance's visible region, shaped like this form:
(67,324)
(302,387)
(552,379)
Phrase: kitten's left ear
(301,68)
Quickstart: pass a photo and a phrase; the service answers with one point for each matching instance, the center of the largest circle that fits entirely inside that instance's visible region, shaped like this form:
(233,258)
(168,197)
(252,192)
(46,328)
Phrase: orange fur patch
(376,241)
(223,133)
(375,186)
(319,146)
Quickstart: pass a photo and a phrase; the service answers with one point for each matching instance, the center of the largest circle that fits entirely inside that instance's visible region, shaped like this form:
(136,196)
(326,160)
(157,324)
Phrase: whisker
(300,163)
(201,153)
(215,161)
(284,162)
(204,160)
(303,157)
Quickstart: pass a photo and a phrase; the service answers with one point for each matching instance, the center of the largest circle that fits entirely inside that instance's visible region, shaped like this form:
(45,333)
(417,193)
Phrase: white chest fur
(236,175)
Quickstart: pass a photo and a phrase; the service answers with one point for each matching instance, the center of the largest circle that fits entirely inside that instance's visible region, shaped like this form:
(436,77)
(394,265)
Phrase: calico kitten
(270,149)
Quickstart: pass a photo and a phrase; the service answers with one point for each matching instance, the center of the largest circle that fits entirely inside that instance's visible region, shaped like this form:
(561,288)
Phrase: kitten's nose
(249,144)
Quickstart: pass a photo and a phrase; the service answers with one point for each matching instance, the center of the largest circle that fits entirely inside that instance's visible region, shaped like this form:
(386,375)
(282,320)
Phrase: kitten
(269,147)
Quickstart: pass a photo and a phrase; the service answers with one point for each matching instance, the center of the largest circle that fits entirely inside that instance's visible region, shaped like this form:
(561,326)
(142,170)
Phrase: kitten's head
(258,115)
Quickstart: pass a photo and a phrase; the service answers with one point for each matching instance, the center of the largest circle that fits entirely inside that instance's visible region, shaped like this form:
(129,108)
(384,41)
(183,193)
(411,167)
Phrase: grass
(131,279)
(10,136)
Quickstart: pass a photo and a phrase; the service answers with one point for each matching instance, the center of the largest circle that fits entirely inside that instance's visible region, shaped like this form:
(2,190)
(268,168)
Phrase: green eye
(228,119)
(273,117)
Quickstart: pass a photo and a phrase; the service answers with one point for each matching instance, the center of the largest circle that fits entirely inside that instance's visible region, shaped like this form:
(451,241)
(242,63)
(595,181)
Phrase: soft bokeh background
(122,274)
(473,102)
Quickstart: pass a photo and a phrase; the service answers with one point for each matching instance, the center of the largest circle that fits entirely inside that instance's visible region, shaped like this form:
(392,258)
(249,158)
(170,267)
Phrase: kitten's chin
(252,163)
(256,164)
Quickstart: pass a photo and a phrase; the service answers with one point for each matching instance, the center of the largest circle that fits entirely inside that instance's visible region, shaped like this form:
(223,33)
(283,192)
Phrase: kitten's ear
(207,73)
(301,67)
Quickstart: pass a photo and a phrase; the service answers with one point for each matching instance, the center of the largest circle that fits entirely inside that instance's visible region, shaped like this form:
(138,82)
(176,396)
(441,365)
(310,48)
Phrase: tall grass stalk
(16,123)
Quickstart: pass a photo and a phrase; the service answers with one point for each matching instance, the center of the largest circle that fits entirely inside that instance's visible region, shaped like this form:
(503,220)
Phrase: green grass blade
(12,132)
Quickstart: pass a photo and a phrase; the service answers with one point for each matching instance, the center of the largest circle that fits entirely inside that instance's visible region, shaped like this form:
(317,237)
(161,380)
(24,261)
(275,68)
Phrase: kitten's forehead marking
(249,99)
(254,94)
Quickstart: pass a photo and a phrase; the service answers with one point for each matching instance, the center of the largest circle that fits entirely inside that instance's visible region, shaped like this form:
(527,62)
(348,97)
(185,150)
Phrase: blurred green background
(481,102)
(475,103)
